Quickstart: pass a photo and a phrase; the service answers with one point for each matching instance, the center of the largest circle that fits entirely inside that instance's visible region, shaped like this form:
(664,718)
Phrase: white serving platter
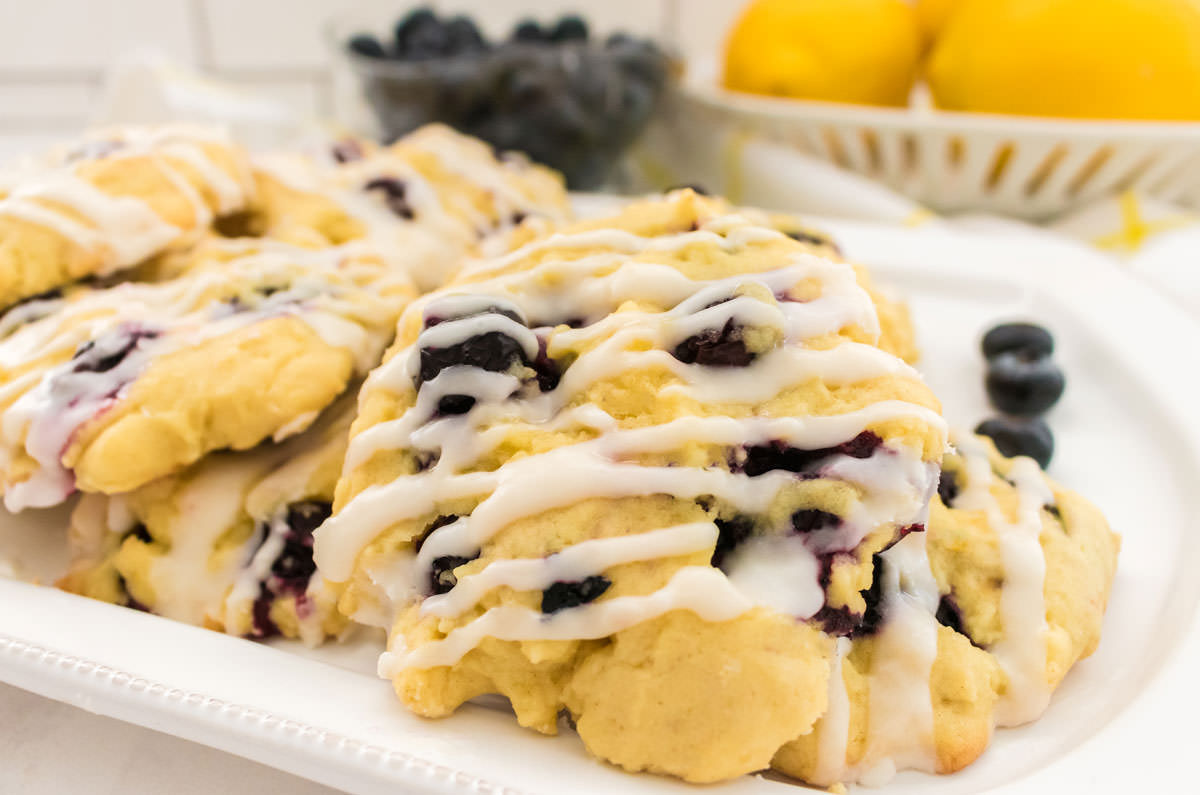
(1122,722)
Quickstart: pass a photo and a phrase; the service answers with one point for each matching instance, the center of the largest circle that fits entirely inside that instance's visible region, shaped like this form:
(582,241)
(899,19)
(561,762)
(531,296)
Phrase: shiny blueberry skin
(493,351)
(563,595)
(441,574)
(1025,338)
(1014,437)
(1022,386)
(454,405)
(760,459)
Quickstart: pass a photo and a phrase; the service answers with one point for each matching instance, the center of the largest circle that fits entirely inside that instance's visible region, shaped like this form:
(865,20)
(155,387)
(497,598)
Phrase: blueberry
(872,617)
(760,459)
(529,32)
(563,595)
(437,523)
(693,187)
(294,566)
(394,195)
(453,405)
(109,350)
(1022,386)
(1020,437)
(715,348)
(441,574)
(1025,338)
(948,614)
(493,351)
(366,45)
(141,533)
(570,28)
(463,37)
(947,487)
(730,534)
(811,519)
(419,35)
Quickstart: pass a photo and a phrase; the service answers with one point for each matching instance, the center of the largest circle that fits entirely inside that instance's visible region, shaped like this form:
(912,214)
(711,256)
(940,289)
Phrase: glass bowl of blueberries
(555,90)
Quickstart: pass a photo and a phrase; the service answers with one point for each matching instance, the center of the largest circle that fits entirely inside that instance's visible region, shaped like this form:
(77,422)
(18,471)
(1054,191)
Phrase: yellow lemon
(932,16)
(1118,59)
(863,51)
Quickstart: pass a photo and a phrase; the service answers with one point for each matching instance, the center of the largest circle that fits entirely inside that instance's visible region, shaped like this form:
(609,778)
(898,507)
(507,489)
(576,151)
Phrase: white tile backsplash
(53,53)
(56,36)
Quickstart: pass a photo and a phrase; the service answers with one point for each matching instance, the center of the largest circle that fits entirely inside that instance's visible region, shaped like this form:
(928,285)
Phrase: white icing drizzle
(124,230)
(572,564)
(701,589)
(49,403)
(617,297)
(1022,651)
(900,704)
(833,736)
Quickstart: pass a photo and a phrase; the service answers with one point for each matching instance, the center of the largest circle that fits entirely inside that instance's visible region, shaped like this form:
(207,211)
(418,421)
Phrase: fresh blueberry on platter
(1027,339)
(1024,386)
(1013,437)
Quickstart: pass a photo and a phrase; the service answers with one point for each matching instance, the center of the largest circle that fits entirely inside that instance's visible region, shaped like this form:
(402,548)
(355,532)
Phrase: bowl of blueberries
(554,90)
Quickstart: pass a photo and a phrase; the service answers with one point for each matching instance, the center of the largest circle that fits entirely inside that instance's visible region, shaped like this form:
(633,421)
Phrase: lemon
(932,16)
(1114,59)
(863,51)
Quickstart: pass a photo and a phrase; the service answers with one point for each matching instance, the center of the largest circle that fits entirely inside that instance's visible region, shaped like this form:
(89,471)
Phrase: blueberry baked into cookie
(637,469)
(225,544)
(426,200)
(111,200)
(1011,595)
(109,388)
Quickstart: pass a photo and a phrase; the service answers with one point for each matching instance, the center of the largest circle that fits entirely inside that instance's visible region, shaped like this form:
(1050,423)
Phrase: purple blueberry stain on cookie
(346,150)
(564,595)
(722,347)
(293,567)
(394,195)
(110,349)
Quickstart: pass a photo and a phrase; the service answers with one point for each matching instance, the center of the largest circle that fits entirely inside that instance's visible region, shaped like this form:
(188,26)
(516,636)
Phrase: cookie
(225,544)
(1009,590)
(428,199)
(638,469)
(122,385)
(112,200)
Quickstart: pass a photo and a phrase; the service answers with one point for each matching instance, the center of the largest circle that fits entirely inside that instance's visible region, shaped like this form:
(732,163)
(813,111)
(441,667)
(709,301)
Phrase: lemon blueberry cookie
(121,385)
(112,200)
(427,200)
(1012,590)
(640,470)
(225,544)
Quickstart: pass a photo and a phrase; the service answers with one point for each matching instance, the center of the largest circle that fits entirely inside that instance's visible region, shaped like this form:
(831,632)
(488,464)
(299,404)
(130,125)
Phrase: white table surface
(48,748)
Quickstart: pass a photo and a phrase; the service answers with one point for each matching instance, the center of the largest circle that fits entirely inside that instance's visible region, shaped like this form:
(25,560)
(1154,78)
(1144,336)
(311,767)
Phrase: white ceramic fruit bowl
(1015,165)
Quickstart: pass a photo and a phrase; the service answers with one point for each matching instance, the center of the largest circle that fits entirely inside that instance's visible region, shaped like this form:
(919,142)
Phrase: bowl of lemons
(1024,107)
